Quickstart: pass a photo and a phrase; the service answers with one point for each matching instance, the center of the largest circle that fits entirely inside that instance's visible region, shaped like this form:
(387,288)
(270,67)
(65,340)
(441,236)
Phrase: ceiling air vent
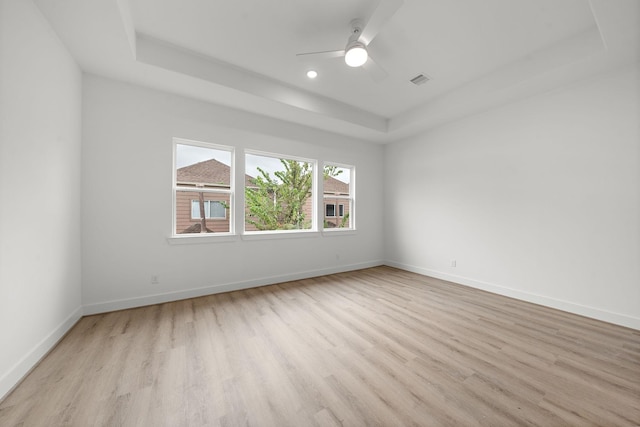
(419,79)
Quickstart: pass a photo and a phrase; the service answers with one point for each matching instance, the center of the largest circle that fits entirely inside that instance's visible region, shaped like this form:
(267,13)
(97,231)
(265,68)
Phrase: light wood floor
(374,347)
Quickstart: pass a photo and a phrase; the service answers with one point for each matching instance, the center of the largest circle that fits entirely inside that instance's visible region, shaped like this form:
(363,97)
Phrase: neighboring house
(336,210)
(212,174)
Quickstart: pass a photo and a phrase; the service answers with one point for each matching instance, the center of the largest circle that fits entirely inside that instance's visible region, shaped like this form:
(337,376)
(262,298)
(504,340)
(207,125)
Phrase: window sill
(266,235)
(198,239)
(338,232)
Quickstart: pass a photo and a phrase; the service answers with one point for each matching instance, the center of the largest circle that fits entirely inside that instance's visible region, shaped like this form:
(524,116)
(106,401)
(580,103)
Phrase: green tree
(277,203)
(330,170)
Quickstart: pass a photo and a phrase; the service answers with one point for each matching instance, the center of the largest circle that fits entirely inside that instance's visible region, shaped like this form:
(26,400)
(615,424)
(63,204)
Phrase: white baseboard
(592,312)
(17,372)
(123,304)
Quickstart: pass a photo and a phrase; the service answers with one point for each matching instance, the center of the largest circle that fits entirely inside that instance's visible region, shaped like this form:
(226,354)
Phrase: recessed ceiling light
(312,74)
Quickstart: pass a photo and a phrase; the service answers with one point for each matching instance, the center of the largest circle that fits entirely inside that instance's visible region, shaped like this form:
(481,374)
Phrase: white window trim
(192,239)
(181,238)
(279,234)
(236,215)
(350,200)
(270,234)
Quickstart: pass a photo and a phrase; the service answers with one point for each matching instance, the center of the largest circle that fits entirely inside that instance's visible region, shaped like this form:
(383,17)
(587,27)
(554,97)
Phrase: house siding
(183,212)
(333,222)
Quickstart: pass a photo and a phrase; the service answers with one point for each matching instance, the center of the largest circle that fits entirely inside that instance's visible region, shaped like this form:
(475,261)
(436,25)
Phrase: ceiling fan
(355,52)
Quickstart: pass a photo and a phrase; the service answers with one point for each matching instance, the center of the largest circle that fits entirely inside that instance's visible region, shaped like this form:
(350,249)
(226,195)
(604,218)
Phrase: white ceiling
(242,53)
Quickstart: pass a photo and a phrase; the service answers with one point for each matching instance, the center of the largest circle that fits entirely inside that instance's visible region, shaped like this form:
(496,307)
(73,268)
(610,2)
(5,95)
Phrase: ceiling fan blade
(376,72)
(385,10)
(322,55)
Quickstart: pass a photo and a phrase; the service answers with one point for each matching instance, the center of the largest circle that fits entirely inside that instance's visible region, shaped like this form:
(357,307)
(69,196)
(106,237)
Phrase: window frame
(251,234)
(349,200)
(236,211)
(230,192)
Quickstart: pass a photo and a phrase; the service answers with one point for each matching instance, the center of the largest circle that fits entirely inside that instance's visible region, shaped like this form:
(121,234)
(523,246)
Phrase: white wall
(40,128)
(126,195)
(539,200)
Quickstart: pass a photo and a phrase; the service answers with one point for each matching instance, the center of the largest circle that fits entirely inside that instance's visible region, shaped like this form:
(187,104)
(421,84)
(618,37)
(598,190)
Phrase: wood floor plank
(375,347)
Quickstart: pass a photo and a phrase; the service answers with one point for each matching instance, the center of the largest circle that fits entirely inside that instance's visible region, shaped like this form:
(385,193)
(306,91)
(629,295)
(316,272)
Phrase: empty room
(319,213)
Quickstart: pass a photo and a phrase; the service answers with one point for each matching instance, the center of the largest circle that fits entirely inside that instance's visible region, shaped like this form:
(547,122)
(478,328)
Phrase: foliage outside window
(338,197)
(279,195)
(203,189)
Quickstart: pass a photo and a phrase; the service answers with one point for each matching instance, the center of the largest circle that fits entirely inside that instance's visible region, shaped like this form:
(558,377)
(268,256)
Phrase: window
(330,210)
(278,193)
(338,195)
(203,176)
(212,209)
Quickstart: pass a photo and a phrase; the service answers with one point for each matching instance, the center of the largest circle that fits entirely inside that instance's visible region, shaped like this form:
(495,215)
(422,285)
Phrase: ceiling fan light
(356,56)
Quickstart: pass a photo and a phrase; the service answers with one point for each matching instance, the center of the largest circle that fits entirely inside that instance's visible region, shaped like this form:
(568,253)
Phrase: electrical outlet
(453,263)
(155,280)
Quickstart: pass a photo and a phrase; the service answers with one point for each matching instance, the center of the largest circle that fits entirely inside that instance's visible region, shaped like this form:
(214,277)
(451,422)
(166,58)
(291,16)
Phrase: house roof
(211,173)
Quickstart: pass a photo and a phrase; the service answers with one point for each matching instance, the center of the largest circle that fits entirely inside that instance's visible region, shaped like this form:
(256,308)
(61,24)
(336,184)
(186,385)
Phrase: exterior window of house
(279,193)
(203,188)
(330,210)
(212,209)
(339,197)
